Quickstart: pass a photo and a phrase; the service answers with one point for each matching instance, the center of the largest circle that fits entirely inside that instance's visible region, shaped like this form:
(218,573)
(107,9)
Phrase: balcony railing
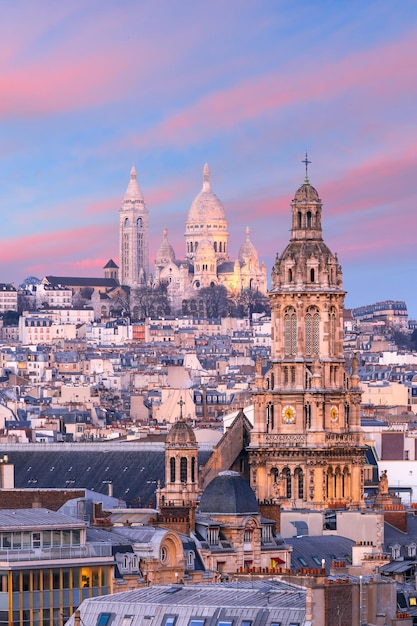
(57,553)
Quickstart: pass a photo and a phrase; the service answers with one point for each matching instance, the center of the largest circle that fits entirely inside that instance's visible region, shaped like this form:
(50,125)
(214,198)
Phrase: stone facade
(307,445)
(207,262)
(134,234)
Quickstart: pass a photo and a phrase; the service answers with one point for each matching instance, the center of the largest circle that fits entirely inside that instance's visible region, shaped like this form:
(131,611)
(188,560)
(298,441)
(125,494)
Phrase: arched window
(139,222)
(275,475)
(126,222)
(345,481)
(286,474)
(191,246)
(172,469)
(309,333)
(316,333)
(269,417)
(290,275)
(220,247)
(337,482)
(290,332)
(299,218)
(183,469)
(307,415)
(299,476)
(308,216)
(329,483)
(272,381)
(312,275)
(312,331)
(215,246)
(193,469)
(332,332)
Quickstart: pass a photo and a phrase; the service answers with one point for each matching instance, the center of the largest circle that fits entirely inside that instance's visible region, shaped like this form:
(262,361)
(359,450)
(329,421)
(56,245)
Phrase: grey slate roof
(14,519)
(134,474)
(228,494)
(309,551)
(263,602)
(81,281)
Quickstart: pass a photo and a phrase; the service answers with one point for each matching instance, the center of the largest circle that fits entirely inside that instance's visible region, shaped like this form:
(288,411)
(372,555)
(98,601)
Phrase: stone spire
(133,191)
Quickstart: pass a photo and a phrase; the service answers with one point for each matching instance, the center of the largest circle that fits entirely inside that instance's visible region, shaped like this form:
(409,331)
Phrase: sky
(88,89)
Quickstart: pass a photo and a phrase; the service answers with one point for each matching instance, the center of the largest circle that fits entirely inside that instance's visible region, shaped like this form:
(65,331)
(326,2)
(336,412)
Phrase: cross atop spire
(306,163)
(181,404)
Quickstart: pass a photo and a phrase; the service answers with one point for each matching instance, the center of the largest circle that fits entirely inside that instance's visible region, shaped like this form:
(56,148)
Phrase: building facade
(306,446)
(47,568)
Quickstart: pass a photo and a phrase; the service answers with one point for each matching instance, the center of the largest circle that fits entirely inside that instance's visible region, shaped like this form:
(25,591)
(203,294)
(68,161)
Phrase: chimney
(6,473)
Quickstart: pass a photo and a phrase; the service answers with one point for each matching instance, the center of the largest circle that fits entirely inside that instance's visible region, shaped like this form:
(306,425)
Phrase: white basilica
(206,261)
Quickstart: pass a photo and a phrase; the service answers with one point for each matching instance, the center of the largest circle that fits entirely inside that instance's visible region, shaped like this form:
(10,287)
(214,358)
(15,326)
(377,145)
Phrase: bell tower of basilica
(306,447)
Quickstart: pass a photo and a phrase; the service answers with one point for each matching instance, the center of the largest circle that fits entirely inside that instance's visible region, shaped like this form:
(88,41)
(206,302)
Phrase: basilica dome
(181,435)
(247,250)
(306,193)
(206,207)
(228,494)
(166,252)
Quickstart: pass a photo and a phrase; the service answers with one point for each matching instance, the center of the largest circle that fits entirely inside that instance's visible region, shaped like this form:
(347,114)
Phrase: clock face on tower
(288,414)
(334,413)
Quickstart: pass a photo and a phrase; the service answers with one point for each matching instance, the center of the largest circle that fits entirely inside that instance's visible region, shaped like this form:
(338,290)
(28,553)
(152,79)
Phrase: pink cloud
(381,72)
(59,86)
(56,246)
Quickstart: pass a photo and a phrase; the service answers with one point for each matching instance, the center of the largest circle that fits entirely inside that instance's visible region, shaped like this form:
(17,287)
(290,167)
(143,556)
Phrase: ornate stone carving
(286,440)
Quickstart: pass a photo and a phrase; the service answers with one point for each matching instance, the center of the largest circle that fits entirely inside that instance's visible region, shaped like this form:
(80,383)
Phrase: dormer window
(213,535)
(267,533)
(411,550)
(396,551)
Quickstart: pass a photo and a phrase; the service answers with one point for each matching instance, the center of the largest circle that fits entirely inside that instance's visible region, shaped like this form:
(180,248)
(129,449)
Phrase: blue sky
(88,89)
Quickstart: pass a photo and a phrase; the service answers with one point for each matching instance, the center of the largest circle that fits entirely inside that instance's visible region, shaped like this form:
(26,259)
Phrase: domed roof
(228,494)
(206,207)
(133,191)
(181,435)
(306,193)
(166,252)
(247,250)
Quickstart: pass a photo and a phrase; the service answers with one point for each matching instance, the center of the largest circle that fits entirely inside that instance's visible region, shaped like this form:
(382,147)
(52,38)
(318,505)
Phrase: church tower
(133,239)
(306,447)
(181,466)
